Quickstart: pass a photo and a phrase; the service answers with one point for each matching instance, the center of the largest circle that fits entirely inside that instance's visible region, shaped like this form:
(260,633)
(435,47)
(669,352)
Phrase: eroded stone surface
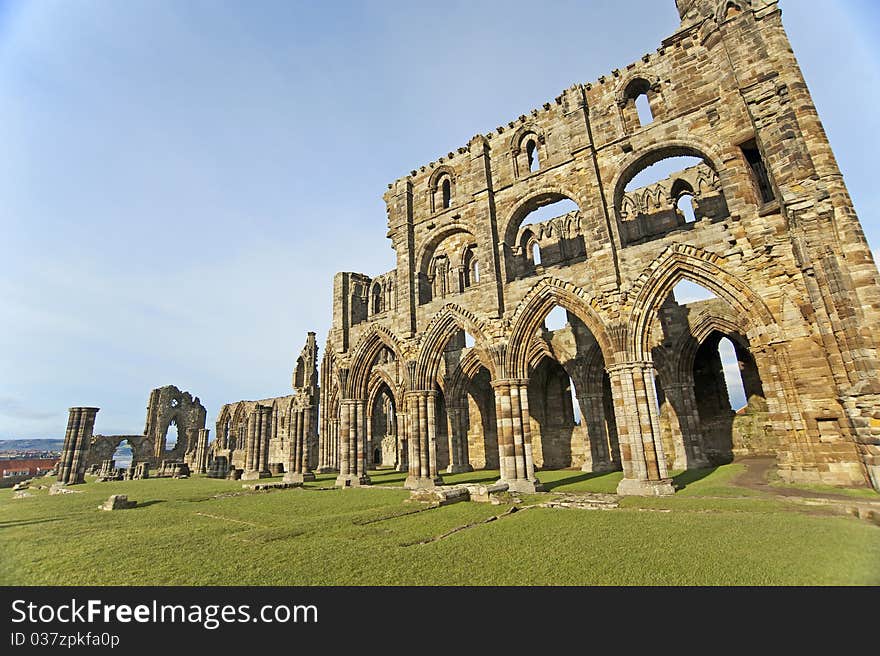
(117,502)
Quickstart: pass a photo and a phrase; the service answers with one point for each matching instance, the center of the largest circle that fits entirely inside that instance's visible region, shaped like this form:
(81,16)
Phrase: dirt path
(756,476)
(758,470)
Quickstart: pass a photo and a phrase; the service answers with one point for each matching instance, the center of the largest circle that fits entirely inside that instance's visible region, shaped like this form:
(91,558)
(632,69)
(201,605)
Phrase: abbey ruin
(445,363)
(151,453)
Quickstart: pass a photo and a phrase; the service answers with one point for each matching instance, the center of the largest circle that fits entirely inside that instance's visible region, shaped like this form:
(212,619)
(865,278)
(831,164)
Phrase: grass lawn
(212,532)
(854,492)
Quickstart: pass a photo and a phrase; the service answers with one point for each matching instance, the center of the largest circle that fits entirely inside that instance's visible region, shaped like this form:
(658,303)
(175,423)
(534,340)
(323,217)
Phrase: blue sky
(181,180)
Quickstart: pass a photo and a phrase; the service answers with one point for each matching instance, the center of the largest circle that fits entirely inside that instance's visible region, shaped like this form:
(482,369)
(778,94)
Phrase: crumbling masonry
(168,406)
(257,439)
(444,363)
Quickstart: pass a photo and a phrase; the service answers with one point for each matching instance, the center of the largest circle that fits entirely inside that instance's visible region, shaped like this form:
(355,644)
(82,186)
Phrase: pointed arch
(681,355)
(437,334)
(637,161)
(531,202)
(364,354)
(681,261)
(434,240)
(378,378)
(464,371)
(529,314)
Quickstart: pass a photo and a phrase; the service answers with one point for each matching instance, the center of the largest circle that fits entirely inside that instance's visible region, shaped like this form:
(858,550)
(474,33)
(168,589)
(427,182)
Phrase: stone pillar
(597,456)
(328,445)
(308,441)
(257,457)
(402,419)
(422,439)
(250,448)
(352,465)
(297,463)
(638,428)
(201,455)
(515,436)
(688,447)
(265,434)
(333,456)
(344,470)
(108,469)
(458,446)
(77,438)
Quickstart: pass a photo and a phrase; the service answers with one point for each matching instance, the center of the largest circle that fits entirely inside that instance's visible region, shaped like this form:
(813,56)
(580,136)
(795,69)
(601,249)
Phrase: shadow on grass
(690,476)
(575,477)
(144,504)
(15,523)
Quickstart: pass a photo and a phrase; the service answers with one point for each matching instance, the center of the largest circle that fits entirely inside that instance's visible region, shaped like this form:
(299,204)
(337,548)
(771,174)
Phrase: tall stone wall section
(256,439)
(777,240)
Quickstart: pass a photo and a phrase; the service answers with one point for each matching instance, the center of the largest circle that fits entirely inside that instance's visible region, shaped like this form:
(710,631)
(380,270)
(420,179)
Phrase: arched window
(532,155)
(377,299)
(171,436)
(535,252)
(446,190)
(685,205)
(636,103)
(470,265)
(442,189)
(643,109)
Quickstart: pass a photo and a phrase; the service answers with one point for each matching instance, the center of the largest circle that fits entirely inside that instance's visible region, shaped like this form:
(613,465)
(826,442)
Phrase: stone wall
(775,239)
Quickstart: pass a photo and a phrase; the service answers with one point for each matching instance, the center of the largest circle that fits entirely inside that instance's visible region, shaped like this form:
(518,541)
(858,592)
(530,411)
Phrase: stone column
(77,439)
(352,470)
(458,446)
(597,457)
(333,459)
(265,434)
(422,439)
(638,428)
(308,440)
(515,436)
(258,444)
(402,419)
(297,463)
(344,471)
(688,439)
(250,449)
(201,455)
(328,445)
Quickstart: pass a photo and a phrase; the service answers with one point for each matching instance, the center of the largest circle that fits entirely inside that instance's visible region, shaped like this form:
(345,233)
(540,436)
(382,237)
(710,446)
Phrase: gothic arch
(429,247)
(535,306)
(637,161)
(689,262)
(681,356)
(437,334)
(531,202)
(363,356)
(378,378)
(467,368)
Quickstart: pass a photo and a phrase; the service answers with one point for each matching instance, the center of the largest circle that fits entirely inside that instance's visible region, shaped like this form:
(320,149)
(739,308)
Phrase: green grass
(855,492)
(212,532)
